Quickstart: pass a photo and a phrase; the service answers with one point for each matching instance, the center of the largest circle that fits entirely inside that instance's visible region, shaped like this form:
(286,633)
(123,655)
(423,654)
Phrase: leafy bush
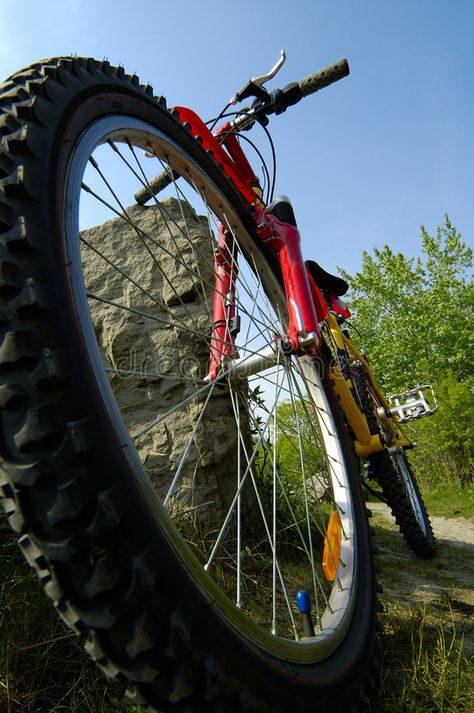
(416,318)
(446,441)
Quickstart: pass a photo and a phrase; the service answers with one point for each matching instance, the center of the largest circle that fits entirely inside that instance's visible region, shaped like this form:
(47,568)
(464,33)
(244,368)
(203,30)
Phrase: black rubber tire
(106,556)
(402,494)
(395,476)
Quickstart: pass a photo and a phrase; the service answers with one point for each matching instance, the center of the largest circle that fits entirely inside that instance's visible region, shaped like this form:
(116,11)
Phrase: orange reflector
(332,546)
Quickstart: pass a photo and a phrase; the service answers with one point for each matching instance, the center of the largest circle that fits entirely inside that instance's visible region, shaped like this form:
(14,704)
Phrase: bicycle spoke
(122,272)
(139,233)
(275,424)
(172,487)
(177,407)
(274,513)
(309,554)
(308,520)
(185,327)
(266,526)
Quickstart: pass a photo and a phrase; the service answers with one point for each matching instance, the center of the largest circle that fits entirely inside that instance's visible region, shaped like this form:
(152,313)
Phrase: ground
(443,585)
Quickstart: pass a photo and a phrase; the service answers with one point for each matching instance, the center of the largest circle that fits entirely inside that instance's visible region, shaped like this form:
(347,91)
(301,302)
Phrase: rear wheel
(172,518)
(392,471)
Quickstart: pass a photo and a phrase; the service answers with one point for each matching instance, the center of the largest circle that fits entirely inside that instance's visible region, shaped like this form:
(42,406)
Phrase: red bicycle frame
(306,306)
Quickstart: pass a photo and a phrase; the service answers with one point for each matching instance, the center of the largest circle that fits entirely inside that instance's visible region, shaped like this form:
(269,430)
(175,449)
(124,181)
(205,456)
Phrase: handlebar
(278,101)
(275,102)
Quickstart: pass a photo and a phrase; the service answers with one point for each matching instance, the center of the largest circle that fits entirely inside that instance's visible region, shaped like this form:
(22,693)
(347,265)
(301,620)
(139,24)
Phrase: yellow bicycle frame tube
(364,442)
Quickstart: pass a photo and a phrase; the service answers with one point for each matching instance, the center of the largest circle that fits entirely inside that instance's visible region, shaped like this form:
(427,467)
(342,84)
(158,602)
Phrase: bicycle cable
(271,183)
(349,324)
(272,148)
(215,119)
(220,116)
(259,154)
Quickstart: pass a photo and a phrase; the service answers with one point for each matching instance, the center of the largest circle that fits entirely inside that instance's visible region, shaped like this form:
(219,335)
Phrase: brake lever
(254,87)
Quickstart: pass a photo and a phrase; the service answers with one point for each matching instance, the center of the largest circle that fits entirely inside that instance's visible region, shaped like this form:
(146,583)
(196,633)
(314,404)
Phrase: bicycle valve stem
(303,602)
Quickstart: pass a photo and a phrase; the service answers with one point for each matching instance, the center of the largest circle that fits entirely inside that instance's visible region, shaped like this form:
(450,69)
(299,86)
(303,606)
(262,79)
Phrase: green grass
(428,611)
(43,668)
(451,500)
(425,668)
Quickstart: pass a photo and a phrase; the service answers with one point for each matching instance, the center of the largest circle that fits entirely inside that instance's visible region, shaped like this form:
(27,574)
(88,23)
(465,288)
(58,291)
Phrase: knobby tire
(75,489)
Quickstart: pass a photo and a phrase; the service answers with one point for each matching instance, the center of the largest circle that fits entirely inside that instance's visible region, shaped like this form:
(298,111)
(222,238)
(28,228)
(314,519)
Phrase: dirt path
(444,584)
(457,531)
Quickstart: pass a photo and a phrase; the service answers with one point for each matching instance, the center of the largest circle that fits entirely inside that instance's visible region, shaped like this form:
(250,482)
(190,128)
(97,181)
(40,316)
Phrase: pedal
(415,403)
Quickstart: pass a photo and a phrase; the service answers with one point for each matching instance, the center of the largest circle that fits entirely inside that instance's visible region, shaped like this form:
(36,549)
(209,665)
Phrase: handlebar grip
(324,77)
(155,186)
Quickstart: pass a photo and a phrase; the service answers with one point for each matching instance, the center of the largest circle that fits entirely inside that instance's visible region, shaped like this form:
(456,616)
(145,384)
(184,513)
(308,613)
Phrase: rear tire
(392,471)
(96,519)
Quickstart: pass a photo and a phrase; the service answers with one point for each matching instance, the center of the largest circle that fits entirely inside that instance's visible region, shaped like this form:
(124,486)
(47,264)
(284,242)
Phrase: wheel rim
(272,412)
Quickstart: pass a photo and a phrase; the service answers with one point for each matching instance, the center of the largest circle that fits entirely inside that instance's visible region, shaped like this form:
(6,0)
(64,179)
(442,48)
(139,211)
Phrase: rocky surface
(157,360)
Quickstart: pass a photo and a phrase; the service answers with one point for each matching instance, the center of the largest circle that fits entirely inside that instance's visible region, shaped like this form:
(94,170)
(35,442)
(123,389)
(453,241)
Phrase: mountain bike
(183,412)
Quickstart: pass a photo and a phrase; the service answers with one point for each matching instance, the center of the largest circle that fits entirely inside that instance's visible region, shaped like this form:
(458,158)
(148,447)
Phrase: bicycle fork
(226,321)
(306,306)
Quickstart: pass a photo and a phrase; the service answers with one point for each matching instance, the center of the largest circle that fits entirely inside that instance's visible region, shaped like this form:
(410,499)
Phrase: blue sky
(365,161)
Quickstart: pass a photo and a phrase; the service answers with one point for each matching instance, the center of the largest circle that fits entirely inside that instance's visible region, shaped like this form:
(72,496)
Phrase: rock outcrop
(160,270)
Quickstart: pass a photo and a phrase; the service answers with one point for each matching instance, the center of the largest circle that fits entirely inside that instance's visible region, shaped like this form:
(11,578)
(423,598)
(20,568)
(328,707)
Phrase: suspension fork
(306,306)
(226,321)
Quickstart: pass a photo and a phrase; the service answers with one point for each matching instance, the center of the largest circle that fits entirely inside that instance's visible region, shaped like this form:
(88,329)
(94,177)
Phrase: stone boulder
(150,279)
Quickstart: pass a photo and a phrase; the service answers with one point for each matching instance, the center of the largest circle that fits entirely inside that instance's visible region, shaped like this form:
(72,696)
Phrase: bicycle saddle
(325,281)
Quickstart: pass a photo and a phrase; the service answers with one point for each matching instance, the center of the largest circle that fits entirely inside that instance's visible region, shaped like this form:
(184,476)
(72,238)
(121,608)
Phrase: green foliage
(416,316)
(447,440)
(295,427)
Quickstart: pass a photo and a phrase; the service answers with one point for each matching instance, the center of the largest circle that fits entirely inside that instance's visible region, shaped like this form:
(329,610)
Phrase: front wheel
(172,518)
